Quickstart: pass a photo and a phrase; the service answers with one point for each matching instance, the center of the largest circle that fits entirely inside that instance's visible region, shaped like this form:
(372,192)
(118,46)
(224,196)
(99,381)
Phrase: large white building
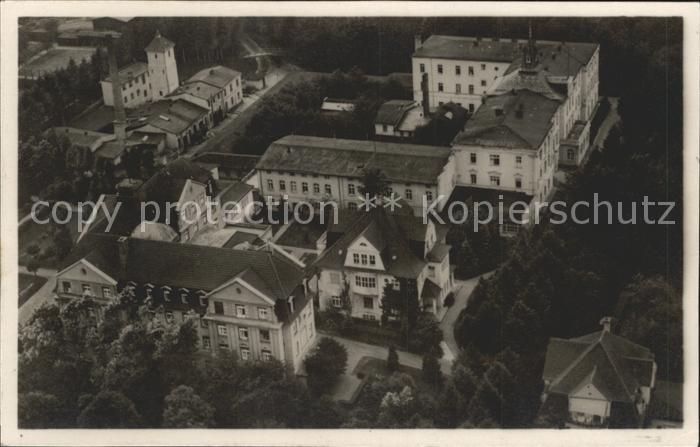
(219,89)
(140,82)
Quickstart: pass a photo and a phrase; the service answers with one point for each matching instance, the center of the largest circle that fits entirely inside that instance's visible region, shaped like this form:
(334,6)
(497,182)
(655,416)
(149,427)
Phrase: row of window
(458,69)
(293,187)
(129,84)
(458,87)
(495,159)
(363,259)
(495,180)
(244,333)
(67,287)
(241,312)
(368,282)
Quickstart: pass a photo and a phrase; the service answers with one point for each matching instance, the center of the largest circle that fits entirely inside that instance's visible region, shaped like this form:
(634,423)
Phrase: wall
(134,92)
(162,68)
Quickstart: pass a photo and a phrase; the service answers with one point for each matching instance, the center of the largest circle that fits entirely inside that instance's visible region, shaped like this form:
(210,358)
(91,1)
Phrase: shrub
(450,300)
(392,361)
(325,365)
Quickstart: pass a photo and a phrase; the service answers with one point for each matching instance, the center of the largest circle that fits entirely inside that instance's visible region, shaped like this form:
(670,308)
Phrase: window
(473,178)
(368,302)
(471,71)
(126,99)
(183,297)
(283,185)
(483,83)
(458,88)
(495,159)
(440,87)
(518,161)
(384,128)
(270,185)
(169,317)
(240,310)
(221,329)
(364,259)
(483,66)
(440,68)
(262,313)
(366,281)
(570,154)
(422,68)
(495,180)
(471,108)
(335,278)
(245,354)
(304,187)
(206,343)
(317,188)
(429,196)
(87,289)
(66,286)
(431,270)
(355,258)
(132,95)
(264,335)
(266,355)
(293,186)
(243,333)
(352,206)
(472,158)
(409,194)
(458,70)
(223,344)
(327,188)
(369,317)
(218,307)
(336,301)
(471,89)
(518,182)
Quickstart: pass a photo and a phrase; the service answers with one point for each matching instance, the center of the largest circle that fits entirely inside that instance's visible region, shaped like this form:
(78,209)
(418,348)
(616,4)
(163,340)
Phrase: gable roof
(390,233)
(159,44)
(407,163)
(172,116)
(520,120)
(217,76)
(197,89)
(533,80)
(614,365)
(130,72)
(392,112)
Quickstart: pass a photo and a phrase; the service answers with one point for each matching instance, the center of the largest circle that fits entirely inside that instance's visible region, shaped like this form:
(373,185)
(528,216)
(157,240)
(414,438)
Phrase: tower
(162,67)
(530,56)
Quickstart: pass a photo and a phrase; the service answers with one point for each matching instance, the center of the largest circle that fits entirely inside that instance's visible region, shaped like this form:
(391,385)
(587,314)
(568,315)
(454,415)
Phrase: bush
(449,300)
(325,365)
(392,361)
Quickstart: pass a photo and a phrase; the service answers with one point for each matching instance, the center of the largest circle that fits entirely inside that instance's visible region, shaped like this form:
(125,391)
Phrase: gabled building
(181,122)
(598,380)
(398,118)
(251,302)
(218,89)
(365,251)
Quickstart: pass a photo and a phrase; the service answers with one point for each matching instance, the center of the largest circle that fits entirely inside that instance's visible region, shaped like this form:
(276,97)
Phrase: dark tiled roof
(234,192)
(240,237)
(438,253)
(560,58)
(615,365)
(239,164)
(159,44)
(430,290)
(409,163)
(199,89)
(170,116)
(523,123)
(392,234)
(392,112)
(81,137)
(533,80)
(217,76)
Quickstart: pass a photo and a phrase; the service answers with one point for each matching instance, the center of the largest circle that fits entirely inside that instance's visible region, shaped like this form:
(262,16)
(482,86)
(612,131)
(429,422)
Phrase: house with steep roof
(218,89)
(251,302)
(598,380)
(368,250)
(319,170)
(398,118)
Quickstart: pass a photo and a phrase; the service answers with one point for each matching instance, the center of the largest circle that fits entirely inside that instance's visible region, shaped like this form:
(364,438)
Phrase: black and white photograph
(449,219)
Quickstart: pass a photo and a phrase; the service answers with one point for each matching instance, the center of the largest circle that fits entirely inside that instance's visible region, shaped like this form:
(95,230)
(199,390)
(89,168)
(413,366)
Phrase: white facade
(162,68)
(135,86)
(405,128)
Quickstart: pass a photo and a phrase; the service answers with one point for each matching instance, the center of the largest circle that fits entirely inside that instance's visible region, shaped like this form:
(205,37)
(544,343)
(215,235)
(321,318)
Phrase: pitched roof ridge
(613,361)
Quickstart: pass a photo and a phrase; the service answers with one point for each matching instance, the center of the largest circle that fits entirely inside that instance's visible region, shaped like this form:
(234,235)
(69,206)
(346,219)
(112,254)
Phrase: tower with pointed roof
(530,56)
(162,66)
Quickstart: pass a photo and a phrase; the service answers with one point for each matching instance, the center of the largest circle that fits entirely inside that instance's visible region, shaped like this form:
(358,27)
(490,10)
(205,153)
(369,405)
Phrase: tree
(39,410)
(33,265)
(185,409)
(327,362)
(432,373)
(392,361)
(374,183)
(62,241)
(109,409)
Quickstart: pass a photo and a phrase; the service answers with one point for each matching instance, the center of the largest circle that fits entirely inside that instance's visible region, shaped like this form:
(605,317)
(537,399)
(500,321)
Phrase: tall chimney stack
(426,95)
(119,114)
(418,41)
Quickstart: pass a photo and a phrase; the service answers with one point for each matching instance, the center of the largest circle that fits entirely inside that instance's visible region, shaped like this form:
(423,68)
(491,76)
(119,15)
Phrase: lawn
(28,285)
(54,59)
(369,366)
(33,233)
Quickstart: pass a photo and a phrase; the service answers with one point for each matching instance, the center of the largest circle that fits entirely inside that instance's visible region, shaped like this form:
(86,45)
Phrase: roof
(393,111)
(408,163)
(83,138)
(391,233)
(130,72)
(112,149)
(239,163)
(240,237)
(234,192)
(520,120)
(507,50)
(199,89)
(154,231)
(217,76)
(142,137)
(159,44)
(170,116)
(614,365)
(167,184)
(534,80)
(190,266)
(560,58)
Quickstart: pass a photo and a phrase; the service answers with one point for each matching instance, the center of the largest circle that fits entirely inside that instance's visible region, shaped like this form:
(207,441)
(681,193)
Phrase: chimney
(426,95)
(606,322)
(418,41)
(119,114)
(123,243)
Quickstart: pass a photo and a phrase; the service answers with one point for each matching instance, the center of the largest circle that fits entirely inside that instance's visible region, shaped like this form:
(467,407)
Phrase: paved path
(464,289)
(608,123)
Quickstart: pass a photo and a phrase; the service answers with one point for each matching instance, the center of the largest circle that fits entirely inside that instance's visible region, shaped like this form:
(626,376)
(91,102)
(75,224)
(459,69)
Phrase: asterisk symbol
(367,202)
(392,201)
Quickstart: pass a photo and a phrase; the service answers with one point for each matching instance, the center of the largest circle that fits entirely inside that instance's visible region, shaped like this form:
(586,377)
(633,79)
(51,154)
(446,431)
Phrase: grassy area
(54,59)
(28,285)
(371,366)
(33,233)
